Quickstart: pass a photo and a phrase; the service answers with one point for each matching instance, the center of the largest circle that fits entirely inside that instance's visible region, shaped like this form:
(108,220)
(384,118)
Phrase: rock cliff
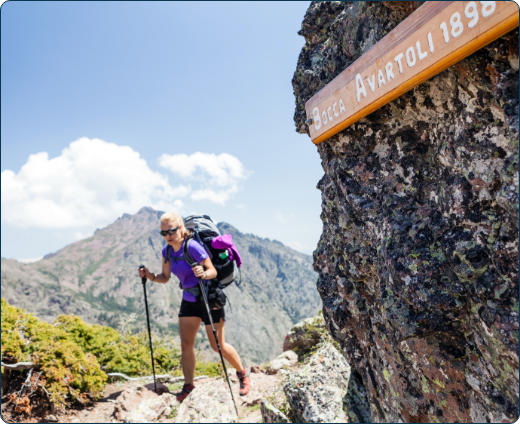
(418,259)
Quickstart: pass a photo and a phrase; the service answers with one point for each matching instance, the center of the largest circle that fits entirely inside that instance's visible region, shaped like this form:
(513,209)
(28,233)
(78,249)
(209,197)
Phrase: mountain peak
(226,228)
(146,210)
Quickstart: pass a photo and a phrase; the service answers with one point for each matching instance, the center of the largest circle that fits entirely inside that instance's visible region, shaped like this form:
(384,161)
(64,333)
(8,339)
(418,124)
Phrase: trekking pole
(149,331)
(216,339)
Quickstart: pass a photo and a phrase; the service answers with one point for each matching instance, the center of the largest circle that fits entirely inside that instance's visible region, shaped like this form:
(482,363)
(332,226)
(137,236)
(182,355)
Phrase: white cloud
(300,247)
(284,218)
(218,197)
(90,184)
(280,217)
(28,261)
(78,235)
(217,177)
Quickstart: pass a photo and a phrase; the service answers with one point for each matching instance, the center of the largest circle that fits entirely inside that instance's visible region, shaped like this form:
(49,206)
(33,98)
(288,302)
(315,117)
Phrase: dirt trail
(262,385)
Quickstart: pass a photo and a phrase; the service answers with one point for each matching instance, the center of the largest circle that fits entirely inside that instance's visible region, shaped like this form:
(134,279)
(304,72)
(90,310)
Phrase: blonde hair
(175,219)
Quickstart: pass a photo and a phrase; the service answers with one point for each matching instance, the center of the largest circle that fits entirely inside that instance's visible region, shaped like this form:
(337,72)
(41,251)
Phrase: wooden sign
(433,38)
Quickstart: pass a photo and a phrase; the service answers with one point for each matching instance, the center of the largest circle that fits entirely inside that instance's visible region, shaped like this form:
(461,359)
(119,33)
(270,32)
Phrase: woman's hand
(199,272)
(143,272)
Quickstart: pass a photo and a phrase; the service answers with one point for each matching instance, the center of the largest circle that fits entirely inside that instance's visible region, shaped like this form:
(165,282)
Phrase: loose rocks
(286,359)
(257,368)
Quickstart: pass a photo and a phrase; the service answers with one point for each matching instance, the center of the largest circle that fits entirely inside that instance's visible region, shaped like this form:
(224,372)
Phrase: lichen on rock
(304,335)
(271,414)
(418,259)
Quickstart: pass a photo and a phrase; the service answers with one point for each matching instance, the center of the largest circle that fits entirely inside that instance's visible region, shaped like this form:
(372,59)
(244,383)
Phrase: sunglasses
(170,232)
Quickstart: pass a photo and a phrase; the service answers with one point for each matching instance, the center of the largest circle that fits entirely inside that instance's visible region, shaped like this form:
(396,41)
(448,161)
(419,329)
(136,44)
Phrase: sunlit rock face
(418,260)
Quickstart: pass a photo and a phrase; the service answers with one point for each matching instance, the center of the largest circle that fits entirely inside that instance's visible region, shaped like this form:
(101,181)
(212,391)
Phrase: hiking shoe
(244,381)
(186,390)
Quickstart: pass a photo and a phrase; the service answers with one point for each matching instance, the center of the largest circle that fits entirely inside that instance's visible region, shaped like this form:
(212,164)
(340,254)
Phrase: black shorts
(198,309)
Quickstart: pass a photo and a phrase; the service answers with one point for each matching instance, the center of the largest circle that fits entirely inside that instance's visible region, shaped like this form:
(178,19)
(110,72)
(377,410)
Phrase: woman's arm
(209,273)
(163,277)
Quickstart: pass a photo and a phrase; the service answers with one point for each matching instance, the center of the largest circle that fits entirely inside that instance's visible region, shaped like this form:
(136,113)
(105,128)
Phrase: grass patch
(175,387)
(173,414)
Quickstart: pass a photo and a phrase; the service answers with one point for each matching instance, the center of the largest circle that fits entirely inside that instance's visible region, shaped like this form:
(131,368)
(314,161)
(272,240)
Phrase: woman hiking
(193,312)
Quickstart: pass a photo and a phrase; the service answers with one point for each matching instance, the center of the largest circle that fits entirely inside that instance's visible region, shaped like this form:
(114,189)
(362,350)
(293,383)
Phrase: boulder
(305,335)
(316,394)
(270,414)
(291,356)
(257,369)
(276,365)
(153,410)
(210,403)
(286,359)
(142,404)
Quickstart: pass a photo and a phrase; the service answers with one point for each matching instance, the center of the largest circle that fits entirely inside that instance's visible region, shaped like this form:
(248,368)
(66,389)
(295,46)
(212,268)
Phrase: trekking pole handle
(143,280)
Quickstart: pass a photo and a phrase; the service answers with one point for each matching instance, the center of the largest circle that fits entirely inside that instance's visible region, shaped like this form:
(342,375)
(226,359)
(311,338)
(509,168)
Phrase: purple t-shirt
(182,270)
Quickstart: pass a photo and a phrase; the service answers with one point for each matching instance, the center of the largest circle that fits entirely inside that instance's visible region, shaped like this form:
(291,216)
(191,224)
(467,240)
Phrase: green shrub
(211,369)
(11,340)
(129,353)
(71,354)
(125,353)
(94,339)
(67,371)
(131,356)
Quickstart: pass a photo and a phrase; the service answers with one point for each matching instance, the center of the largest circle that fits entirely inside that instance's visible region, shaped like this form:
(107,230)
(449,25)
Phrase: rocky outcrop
(305,335)
(286,359)
(418,259)
(143,405)
(210,403)
(316,393)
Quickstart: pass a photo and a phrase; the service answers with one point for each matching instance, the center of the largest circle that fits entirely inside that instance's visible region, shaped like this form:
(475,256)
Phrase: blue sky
(111,106)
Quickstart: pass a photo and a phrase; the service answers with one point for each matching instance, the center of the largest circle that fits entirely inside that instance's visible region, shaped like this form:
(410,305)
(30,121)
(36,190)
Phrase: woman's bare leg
(228,352)
(188,328)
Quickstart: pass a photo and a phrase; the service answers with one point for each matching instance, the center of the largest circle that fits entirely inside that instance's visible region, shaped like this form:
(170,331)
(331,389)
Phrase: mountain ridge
(96,279)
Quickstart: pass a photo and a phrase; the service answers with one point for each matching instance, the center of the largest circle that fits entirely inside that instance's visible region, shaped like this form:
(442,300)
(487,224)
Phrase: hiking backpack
(204,231)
